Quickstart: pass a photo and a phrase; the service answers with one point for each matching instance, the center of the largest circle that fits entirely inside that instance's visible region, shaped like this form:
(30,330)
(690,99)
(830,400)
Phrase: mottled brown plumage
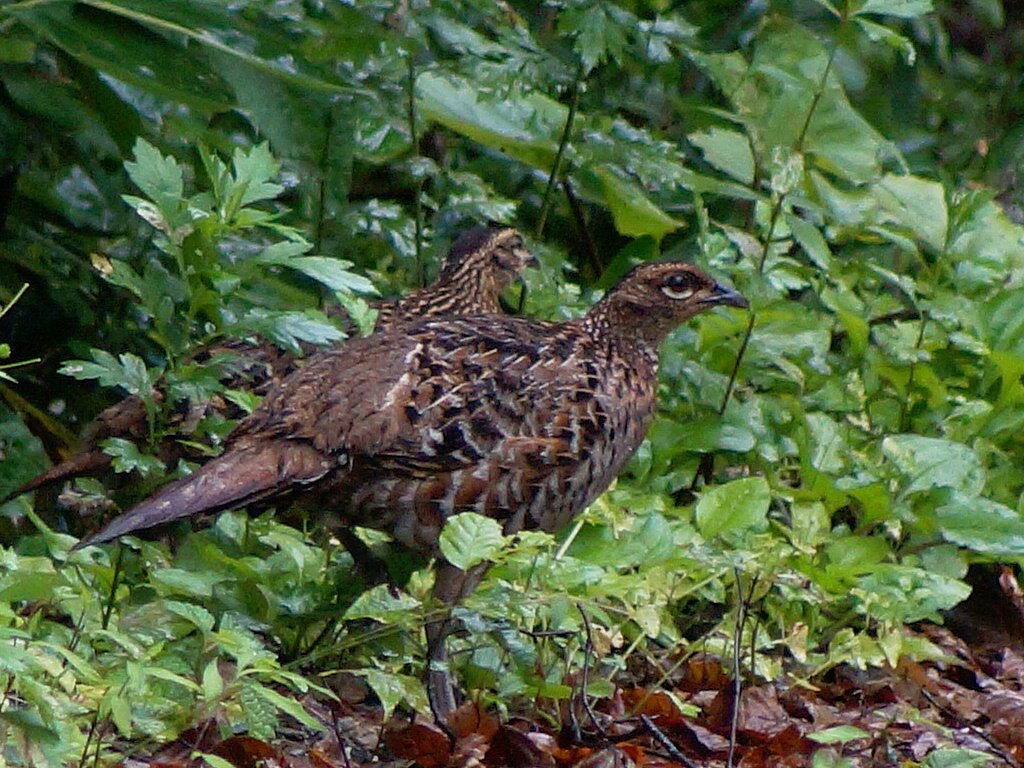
(480,265)
(524,421)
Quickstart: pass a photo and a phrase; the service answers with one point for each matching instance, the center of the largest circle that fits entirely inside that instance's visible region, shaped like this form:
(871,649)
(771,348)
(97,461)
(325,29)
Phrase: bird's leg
(451,585)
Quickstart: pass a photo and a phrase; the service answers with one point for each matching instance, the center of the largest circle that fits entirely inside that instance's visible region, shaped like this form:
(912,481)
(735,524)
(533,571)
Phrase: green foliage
(836,460)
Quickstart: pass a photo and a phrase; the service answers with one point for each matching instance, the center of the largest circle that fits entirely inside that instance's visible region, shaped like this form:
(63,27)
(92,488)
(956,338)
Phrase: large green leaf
(497,123)
(634,213)
(982,525)
(469,539)
(127,50)
(931,462)
(736,506)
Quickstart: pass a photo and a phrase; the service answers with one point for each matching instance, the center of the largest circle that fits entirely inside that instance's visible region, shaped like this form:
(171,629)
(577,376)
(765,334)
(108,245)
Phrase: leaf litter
(965,710)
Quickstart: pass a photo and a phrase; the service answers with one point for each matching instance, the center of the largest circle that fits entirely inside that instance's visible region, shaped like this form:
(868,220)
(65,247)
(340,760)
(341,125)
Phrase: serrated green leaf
(253,170)
(469,538)
(736,506)
(393,689)
(159,177)
(288,706)
(596,35)
(333,273)
(127,457)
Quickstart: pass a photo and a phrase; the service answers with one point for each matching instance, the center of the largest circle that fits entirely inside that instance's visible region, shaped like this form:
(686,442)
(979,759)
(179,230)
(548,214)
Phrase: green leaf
(904,9)
(499,124)
(288,706)
(957,758)
(127,457)
(22,585)
(839,734)
(634,213)
(288,329)
(469,538)
(160,178)
(393,689)
(982,525)
(736,506)
(902,594)
(128,51)
(930,462)
(195,614)
(918,204)
(185,582)
(253,171)
(811,240)
(333,273)
(728,151)
(379,604)
(881,34)
(128,372)
(597,36)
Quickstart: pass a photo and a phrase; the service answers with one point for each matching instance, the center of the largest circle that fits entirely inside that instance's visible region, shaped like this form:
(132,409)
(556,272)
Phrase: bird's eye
(679,286)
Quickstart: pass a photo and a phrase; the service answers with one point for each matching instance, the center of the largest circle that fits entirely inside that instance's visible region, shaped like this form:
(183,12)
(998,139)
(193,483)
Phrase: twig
(673,750)
(342,741)
(556,166)
(108,609)
(587,649)
(972,728)
(737,681)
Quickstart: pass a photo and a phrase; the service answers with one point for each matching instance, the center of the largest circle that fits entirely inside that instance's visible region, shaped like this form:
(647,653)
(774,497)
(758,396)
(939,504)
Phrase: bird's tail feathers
(87,462)
(237,478)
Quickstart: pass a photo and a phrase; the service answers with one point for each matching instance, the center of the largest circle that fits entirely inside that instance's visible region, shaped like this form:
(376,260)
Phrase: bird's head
(653,299)
(493,256)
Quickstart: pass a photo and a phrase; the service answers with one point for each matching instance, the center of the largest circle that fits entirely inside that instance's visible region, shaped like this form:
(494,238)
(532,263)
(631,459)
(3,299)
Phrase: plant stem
(556,166)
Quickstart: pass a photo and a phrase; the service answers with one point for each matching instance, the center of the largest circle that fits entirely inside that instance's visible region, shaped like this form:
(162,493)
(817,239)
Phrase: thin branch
(587,650)
(910,379)
(737,680)
(673,750)
(773,222)
(108,609)
(556,167)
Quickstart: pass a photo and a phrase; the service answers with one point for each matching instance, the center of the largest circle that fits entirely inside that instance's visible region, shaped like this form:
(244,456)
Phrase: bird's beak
(727,296)
(529,260)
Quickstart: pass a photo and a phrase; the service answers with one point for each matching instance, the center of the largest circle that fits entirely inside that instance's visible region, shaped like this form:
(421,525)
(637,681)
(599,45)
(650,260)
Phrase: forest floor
(966,710)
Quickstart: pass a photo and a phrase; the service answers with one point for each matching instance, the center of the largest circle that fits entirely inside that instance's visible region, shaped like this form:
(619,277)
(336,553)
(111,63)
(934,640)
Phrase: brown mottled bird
(523,421)
(480,265)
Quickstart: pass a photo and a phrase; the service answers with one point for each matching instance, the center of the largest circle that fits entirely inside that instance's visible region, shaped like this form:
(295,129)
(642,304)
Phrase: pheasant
(521,420)
(481,264)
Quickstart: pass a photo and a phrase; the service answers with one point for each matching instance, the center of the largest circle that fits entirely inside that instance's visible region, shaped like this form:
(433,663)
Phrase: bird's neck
(625,331)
